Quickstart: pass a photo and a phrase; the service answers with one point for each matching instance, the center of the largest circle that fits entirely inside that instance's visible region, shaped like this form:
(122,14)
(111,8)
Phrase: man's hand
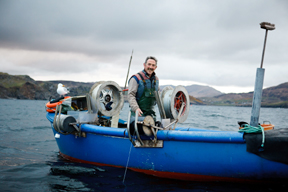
(139,112)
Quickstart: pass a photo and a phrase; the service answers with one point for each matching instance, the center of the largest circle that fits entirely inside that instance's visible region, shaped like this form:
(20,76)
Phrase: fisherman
(141,89)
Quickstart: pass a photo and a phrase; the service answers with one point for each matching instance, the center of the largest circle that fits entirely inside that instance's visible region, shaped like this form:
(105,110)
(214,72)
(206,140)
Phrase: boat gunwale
(180,134)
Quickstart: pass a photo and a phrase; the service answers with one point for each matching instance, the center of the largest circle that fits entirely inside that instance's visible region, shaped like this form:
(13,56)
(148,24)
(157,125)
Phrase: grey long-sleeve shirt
(132,91)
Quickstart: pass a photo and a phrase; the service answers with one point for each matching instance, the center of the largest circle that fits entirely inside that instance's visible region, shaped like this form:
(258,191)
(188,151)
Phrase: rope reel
(175,99)
(62,123)
(108,96)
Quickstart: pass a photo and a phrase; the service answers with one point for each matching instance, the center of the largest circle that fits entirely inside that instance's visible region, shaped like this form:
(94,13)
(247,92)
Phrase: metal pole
(257,97)
(263,53)
(128,69)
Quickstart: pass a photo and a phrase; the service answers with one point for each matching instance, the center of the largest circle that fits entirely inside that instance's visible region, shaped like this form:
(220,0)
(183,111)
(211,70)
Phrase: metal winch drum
(108,96)
(62,124)
(173,99)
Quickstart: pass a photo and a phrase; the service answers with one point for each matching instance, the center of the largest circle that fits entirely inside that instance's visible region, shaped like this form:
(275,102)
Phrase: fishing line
(127,162)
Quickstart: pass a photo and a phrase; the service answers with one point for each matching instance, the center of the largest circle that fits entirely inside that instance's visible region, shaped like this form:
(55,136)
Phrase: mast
(257,96)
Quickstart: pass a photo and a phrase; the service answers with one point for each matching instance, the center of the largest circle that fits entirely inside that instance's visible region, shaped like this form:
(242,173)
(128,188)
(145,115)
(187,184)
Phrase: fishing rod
(128,71)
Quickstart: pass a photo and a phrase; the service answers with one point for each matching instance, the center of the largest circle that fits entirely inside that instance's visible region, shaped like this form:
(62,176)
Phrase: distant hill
(276,96)
(24,87)
(202,91)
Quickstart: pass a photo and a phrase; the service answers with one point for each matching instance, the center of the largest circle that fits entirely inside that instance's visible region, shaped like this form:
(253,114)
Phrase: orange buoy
(51,107)
(267,127)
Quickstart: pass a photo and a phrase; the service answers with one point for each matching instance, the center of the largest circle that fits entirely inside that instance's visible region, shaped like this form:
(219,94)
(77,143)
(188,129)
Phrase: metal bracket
(160,105)
(128,128)
(136,128)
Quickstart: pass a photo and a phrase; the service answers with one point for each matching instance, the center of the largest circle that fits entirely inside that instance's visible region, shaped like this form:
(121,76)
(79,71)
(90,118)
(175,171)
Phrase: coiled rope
(251,129)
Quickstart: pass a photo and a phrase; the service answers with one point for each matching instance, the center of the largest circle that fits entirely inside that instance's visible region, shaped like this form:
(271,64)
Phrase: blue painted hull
(189,154)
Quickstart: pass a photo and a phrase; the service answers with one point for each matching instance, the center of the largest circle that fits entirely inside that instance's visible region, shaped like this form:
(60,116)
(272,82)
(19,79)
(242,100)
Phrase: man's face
(150,66)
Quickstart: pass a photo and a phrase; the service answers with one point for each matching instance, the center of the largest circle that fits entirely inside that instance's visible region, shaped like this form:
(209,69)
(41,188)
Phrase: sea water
(30,161)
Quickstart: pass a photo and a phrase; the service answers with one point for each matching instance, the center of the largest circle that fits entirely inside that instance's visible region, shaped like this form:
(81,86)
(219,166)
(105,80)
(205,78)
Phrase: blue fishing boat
(93,134)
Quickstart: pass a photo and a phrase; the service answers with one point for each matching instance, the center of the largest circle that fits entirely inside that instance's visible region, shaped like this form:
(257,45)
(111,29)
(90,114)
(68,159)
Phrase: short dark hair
(151,57)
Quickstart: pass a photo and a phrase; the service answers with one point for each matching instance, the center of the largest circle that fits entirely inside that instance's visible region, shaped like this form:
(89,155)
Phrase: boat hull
(188,154)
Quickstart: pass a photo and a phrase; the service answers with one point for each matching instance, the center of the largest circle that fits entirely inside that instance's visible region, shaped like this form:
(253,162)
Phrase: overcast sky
(215,43)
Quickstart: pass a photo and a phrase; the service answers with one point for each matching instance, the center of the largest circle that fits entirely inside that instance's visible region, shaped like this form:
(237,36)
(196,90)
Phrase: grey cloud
(222,32)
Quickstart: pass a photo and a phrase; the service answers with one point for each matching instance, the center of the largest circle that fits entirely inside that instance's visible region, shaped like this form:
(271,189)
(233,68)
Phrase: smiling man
(141,89)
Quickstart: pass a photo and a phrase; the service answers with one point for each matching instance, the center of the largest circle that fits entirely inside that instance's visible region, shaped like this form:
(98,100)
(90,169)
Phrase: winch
(104,100)
(173,105)
(176,103)
(108,96)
